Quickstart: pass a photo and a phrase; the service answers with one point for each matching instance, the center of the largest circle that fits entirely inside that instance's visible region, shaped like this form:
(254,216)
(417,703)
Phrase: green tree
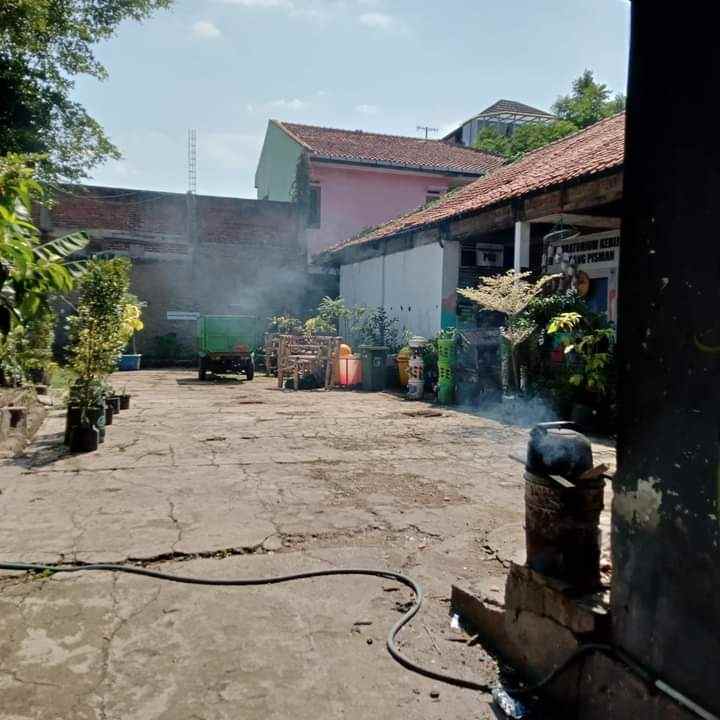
(588,102)
(535,135)
(44,46)
(490,140)
(525,138)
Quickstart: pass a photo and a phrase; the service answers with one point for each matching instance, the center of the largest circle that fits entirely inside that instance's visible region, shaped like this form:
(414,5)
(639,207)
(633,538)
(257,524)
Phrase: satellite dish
(562,233)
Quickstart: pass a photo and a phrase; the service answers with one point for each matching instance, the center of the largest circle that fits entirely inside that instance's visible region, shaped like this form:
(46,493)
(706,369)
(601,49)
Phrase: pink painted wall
(353,199)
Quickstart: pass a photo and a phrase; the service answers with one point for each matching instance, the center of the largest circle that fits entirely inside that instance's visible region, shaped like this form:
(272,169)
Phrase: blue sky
(226,66)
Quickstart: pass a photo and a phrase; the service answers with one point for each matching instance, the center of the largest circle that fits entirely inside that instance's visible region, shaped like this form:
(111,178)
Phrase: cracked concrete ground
(235,480)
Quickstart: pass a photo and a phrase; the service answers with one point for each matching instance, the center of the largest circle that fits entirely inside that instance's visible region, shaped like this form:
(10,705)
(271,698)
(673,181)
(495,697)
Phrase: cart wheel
(202,374)
(250,373)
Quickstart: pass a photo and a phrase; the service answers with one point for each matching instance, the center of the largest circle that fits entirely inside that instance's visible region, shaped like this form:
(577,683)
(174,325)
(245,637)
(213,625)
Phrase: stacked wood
(270,343)
(299,356)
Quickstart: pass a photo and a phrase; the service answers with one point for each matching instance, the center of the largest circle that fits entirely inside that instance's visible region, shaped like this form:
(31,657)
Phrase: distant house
(413,265)
(504,116)
(359,179)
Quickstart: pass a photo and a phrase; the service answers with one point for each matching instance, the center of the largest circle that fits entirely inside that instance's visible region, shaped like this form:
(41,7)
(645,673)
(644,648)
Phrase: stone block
(527,590)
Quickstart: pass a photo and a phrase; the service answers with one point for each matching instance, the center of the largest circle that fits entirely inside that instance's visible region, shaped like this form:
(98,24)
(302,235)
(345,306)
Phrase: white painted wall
(409,284)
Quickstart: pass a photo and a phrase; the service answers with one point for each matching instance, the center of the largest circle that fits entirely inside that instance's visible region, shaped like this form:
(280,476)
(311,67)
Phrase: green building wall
(276,169)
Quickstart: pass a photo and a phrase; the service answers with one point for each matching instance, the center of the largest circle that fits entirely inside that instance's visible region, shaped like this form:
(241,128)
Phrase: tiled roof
(591,151)
(517,108)
(390,150)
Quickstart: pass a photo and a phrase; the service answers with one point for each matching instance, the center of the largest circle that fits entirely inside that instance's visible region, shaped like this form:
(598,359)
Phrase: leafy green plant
(11,371)
(318,326)
(329,314)
(373,326)
(510,294)
(30,271)
(285,325)
(592,343)
(447,334)
(105,319)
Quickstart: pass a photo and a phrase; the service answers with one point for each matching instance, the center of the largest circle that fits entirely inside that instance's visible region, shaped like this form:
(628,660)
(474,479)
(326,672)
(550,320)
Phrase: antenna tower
(427,130)
(192,162)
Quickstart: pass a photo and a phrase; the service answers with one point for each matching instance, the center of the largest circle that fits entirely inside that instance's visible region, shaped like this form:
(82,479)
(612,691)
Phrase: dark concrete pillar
(666,512)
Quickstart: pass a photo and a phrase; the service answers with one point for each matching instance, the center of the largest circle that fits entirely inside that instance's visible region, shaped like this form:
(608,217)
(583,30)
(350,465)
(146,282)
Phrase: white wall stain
(642,505)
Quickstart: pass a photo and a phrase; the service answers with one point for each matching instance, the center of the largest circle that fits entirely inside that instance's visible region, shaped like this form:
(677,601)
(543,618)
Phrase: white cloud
(367,109)
(283,104)
(381,21)
(291,104)
(288,4)
(321,12)
(205,29)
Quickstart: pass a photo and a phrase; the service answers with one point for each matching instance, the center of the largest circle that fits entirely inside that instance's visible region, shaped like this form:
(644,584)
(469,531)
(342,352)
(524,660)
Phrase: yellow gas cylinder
(403,361)
(345,350)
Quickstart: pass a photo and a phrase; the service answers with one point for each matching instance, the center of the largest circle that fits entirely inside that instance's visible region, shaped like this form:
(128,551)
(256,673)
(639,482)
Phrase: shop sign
(489,255)
(180,315)
(591,251)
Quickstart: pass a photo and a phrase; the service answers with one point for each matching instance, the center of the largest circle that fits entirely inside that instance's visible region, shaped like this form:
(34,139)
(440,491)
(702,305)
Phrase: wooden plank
(591,221)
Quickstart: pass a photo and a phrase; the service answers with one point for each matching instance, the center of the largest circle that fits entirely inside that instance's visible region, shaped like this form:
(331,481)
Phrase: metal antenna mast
(192,162)
(427,130)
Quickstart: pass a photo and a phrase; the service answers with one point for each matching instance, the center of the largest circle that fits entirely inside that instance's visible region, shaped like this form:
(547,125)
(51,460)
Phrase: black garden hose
(385,574)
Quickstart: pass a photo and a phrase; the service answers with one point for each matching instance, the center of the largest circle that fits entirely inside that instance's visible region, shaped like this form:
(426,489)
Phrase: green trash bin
(373,366)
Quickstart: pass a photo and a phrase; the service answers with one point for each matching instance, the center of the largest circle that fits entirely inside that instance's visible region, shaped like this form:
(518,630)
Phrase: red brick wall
(248,258)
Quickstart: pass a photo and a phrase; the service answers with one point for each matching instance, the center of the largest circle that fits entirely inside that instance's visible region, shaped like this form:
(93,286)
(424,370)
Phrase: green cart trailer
(226,344)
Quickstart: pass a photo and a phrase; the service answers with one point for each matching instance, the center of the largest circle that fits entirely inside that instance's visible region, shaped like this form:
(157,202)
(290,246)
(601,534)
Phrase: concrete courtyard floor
(230,480)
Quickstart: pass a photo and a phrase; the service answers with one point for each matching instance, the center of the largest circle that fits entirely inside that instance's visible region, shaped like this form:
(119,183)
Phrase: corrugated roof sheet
(511,106)
(391,150)
(594,150)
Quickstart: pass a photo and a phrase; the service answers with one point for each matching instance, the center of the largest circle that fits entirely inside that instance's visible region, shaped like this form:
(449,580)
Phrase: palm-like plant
(30,271)
(509,294)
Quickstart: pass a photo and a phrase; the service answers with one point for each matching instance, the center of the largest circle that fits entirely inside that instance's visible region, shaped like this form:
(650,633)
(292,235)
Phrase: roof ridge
(535,110)
(283,126)
(377,134)
(565,138)
(603,152)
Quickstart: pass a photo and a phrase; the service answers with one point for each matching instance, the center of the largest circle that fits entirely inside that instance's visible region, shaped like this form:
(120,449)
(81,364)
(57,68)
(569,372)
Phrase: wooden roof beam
(590,221)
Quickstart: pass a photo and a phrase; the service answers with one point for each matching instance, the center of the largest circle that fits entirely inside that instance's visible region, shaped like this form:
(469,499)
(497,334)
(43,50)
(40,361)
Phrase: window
(431,195)
(314,209)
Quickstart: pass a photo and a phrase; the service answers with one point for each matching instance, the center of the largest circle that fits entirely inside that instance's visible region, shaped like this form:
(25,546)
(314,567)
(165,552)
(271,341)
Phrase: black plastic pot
(124,402)
(84,438)
(114,401)
(94,416)
(109,412)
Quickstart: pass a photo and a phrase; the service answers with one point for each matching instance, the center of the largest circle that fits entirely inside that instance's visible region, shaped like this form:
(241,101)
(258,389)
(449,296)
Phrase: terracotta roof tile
(392,150)
(596,149)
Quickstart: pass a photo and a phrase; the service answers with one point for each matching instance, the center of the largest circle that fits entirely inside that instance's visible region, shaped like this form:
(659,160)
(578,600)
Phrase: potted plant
(99,330)
(131,324)
(86,406)
(509,294)
(112,397)
(591,364)
(84,438)
(124,397)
